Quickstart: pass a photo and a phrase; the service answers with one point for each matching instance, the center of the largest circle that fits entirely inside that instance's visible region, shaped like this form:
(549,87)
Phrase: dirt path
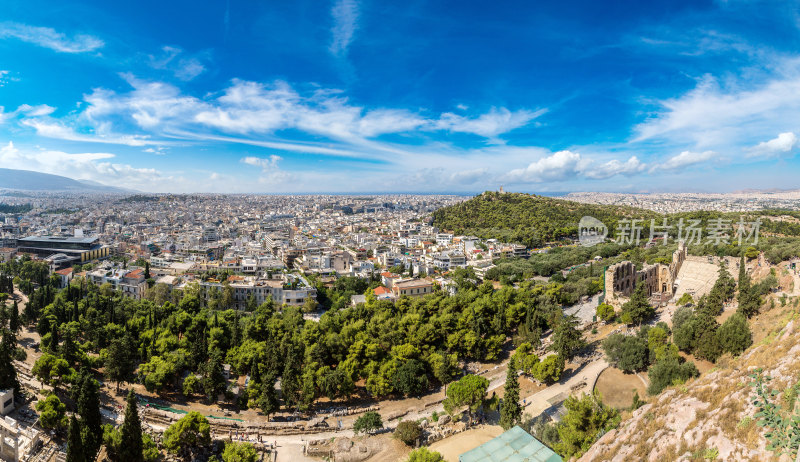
(460,443)
(541,401)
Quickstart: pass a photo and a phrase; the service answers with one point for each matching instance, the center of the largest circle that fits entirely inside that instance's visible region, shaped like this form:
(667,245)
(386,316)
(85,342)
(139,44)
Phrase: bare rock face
(710,417)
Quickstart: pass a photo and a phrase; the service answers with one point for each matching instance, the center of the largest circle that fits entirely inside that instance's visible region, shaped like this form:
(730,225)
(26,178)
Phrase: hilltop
(527,218)
(36,181)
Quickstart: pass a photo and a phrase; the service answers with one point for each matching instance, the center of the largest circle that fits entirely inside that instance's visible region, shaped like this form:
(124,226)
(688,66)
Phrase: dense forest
(380,348)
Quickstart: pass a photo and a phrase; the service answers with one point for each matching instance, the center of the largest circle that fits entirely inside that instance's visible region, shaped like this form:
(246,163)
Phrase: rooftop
(515,445)
(77,240)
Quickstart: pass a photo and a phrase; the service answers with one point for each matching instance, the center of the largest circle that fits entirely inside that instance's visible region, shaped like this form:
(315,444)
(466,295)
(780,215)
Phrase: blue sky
(366,96)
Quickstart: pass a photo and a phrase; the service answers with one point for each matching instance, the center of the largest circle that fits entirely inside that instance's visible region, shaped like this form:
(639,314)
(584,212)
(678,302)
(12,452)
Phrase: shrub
(606,312)
(368,423)
(669,372)
(734,334)
(408,431)
(626,352)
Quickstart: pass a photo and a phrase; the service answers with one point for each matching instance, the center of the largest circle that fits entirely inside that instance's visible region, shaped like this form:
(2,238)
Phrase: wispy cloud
(50,129)
(260,111)
(174,60)
(345,22)
(270,173)
(49,38)
(684,159)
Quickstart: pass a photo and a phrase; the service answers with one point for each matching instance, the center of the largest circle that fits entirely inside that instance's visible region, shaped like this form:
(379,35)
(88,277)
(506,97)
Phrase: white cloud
(4,77)
(174,60)
(50,38)
(612,168)
(59,131)
(253,108)
(568,165)
(560,166)
(270,173)
(489,125)
(729,114)
(782,144)
(684,159)
(345,23)
(266,164)
(94,166)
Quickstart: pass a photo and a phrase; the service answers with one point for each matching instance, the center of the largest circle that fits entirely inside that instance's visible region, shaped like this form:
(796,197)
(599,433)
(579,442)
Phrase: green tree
(549,369)
(606,312)
(637,309)
(468,391)
(567,339)
(189,434)
(734,334)
(213,380)
(444,366)
(337,384)
(75,449)
(8,373)
(749,299)
(89,410)
(586,420)
(131,432)
(368,422)
(121,362)
(670,371)
(191,385)
(411,378)
(52,370)
(510,411)
(239,452)
(310,305)
(627,352)
(268,398)
(685,299)
(424,454)
(408,431)
(52,412)
(14,322)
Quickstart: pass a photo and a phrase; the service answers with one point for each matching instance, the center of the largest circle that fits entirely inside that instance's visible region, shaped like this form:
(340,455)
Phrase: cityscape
(417,232)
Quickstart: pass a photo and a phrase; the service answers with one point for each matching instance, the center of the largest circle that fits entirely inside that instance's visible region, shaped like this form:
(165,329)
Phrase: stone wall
(622,278)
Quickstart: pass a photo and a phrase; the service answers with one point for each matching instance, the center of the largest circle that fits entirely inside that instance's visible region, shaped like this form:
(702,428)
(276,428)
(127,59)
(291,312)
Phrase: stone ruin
(659,279)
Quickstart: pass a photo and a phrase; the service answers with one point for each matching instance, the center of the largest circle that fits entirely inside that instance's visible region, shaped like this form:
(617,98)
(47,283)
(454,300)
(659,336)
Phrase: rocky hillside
(712,417)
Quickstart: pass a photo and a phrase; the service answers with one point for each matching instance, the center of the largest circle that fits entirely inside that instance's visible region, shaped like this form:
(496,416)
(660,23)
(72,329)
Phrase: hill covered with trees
(527,218)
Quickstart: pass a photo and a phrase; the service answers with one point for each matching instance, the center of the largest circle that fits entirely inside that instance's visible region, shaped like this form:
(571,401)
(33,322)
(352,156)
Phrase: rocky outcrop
(711,417)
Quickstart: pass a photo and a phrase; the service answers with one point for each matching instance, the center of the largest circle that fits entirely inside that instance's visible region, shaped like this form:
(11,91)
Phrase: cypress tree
(13,318)
(131,433)
(510,412)
(89,410)
(75,451)
(8,373)
(54,341)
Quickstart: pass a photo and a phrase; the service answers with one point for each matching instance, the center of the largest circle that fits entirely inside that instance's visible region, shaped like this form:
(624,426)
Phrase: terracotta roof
(64,272)
(381,290)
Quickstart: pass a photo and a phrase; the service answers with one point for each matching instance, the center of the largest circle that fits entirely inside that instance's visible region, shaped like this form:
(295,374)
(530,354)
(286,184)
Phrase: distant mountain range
(36,181)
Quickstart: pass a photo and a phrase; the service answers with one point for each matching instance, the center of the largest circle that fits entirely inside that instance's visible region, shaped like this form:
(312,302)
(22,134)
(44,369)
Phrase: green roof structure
(515,445)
